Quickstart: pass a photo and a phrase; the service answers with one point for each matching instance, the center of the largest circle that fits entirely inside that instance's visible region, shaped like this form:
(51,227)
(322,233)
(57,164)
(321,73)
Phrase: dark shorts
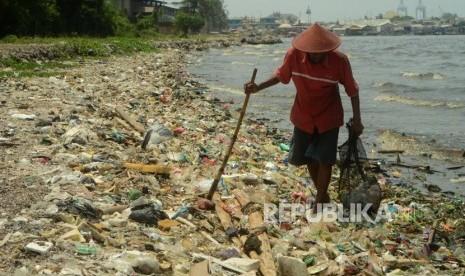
(313,148)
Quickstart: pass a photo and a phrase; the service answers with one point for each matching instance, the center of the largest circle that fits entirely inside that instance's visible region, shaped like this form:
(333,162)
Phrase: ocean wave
(221,88)
(390,86)
(281,52)
(418,102)
(242,63)
(423,76)
(383,84)
(449,64)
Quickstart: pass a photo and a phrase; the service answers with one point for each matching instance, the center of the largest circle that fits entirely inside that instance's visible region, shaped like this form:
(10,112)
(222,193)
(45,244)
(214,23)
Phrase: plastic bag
(354,185)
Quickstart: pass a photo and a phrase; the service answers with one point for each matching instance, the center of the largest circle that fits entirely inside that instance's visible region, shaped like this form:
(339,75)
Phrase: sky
(331,10)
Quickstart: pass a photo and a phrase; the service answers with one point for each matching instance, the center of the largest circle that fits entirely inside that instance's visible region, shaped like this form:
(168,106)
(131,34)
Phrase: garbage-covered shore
(102,171)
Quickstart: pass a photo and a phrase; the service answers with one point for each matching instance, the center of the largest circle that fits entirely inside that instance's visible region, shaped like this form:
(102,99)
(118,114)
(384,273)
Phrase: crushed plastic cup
(86,249)
(284,147)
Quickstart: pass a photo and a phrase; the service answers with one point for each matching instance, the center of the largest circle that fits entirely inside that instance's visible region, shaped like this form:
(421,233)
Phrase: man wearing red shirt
(316,69)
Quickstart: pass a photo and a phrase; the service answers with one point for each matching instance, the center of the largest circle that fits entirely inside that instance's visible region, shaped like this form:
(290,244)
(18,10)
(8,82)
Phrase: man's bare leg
(323,179)
(313,170)
(321,176)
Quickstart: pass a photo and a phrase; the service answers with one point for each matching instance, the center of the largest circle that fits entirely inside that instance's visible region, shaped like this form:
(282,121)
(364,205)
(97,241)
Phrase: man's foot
(320,200)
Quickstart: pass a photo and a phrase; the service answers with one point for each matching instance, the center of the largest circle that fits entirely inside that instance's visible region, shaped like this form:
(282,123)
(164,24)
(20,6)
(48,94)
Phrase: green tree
(28,17)
(186,22)
(213,12)
(86,17)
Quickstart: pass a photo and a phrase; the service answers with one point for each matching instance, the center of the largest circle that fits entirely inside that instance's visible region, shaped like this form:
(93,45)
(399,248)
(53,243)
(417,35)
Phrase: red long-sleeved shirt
(317,103)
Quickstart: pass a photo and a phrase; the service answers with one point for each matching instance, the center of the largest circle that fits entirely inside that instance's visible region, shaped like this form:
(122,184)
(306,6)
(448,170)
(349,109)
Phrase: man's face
(317,57)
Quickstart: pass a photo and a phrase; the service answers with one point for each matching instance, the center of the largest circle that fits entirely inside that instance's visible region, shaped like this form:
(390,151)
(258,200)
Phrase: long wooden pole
(231,145)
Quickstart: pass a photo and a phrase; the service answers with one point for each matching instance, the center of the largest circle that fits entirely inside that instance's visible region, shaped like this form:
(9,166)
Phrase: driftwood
(267,266)
(136,125)
(417,167)
(224,217)
(114,209)
(156,169)
(391,151)
(429,246)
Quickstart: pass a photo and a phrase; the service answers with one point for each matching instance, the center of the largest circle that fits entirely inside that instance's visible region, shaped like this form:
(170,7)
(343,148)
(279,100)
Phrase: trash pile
(104,172)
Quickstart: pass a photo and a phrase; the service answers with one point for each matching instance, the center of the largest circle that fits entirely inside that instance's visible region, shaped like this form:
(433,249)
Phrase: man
(316,69)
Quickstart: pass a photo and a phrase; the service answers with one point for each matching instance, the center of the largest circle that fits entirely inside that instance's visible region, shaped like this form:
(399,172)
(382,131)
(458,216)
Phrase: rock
(243,264)
(290,266)
(40,247)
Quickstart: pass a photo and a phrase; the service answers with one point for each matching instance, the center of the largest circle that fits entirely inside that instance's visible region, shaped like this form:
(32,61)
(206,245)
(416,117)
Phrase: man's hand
(250,88)
(357,127)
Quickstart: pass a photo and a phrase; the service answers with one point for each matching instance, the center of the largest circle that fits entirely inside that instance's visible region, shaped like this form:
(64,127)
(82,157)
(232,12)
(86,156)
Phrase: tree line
(100,18)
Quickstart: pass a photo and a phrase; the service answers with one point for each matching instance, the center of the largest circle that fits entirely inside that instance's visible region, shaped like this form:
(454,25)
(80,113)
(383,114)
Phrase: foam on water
(418,102)
(242,63)
(423,76)
(222,88)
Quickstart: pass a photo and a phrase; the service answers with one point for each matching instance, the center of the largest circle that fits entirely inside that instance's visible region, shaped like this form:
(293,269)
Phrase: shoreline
(75,143)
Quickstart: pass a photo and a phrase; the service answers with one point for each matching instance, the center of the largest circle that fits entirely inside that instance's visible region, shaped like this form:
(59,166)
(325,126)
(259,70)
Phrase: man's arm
(357,125)
(251,87)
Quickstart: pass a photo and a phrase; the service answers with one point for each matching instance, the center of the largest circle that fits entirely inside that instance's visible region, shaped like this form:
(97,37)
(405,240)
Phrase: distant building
(269,22)
(234,23)
(385,28)
(135,8)
(168,13)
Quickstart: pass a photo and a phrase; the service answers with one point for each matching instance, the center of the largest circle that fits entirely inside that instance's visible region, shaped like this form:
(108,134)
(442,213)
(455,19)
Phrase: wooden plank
(136,125)
(242,197)
(224,217)
(156,169)
(267,266)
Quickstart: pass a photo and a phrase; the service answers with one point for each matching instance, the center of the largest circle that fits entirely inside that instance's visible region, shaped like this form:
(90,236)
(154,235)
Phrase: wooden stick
(208,237)
(136,125)
(233,140)
(156,169)
(390,151)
